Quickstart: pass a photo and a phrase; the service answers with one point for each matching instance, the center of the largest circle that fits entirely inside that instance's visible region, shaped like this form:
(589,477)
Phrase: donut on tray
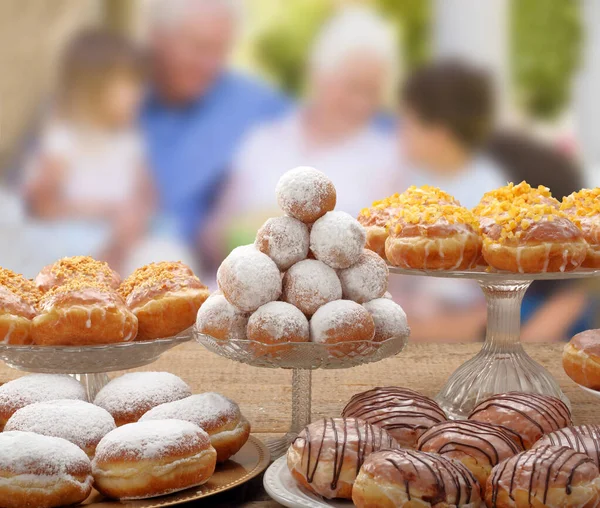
(583,209)
(19,298)
(581,359)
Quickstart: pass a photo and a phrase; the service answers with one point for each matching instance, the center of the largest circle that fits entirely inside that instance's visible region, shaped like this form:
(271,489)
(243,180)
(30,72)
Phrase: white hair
(355,29)
(168,13)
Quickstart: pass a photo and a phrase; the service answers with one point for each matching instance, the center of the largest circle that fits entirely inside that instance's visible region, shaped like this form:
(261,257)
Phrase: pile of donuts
(80,301)
(144,435)
(516,228)
(307,277)
(393,447)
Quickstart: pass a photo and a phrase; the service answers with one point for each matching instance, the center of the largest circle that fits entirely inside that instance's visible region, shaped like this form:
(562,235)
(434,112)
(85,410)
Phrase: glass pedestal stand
(502,365)
(302,358)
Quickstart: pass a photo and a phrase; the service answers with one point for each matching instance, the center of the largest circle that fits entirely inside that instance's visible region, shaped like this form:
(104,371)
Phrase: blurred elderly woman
(337,129)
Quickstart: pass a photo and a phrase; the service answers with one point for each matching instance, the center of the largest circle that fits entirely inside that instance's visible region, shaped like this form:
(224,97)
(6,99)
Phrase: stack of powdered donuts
(393,447)
(79,301)
(144,435)
(307,277)
(516,228)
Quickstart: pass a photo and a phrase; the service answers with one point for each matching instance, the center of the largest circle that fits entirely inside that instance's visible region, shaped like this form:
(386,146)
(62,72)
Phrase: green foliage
(546,43)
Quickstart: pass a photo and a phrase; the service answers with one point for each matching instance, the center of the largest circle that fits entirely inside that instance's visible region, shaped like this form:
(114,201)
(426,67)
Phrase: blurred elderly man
(197,110)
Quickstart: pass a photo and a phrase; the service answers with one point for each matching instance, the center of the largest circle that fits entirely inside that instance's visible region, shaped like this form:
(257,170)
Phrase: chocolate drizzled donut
(530,415)
(327,455)
(399,477)
(404,413)
(582,439)
(479,446)
(544,476)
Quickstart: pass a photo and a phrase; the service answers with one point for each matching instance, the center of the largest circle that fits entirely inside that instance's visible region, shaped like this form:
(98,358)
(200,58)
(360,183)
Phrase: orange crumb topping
(433,213)
(81,266)
(521,218)
(154,274)
(425,195)
(582,204)
(522,194)
(20,286)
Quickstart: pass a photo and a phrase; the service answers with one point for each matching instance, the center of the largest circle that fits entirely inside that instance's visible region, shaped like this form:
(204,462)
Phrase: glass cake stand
(502,365)
(89,364)
(302,358)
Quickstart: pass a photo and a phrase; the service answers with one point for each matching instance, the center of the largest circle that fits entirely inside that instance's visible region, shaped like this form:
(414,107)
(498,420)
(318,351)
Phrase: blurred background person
(197,109)
(339,128)
(88,190)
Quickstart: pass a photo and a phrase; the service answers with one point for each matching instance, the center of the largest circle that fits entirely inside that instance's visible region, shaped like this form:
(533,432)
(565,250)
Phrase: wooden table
(265,394)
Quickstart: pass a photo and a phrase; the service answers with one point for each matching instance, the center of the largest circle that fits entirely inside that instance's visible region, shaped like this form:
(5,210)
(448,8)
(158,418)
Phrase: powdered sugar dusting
(281,321)
(207,410)
(79,422)
(305,193)
(137,392)
(337,239)
(310,284)
(389,317)
(219,319)
(366,279)
(25,453)
(38,388)
(151,440)
(248,278)
(284,239)
(335,316)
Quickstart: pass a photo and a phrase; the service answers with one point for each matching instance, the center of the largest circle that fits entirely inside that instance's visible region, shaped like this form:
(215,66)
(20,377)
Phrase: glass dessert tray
(302,358)
(502,365)
(89,364)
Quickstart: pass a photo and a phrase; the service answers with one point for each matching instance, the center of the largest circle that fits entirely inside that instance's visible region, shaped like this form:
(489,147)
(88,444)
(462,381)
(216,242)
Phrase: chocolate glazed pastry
(479,446)
(583,439)
(546,476)
(398,478)
(405,414)
(529,415)
(327,455)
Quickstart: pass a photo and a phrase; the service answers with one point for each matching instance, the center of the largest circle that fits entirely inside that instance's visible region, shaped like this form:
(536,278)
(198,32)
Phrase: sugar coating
(281,321)
(151,440)
(331,321)
(389,317)
(310,284)
(217,317)
(305,193)
(284,239)
(248,278)
(79,422)
(39,388)
(26,453)
(137,392)
(337,239)
(366,279)
(207,410)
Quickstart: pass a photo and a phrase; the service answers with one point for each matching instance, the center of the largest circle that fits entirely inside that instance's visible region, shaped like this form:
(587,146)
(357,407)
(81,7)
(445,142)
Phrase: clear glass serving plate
(502,365)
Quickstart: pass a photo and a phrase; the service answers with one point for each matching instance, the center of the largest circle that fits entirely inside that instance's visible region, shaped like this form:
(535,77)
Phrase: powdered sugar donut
(310,284)
(79,422)
(131,395)
(389,318)
(284,239)
(274,323)
(42,472)
(221,320)
(149,459)
(337,239)
(366,279)
(219,416)
(36,388)
(248,278)
(339,322)
(305,193)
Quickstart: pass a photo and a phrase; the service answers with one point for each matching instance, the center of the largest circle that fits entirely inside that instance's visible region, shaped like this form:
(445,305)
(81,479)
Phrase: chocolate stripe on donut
(583,439)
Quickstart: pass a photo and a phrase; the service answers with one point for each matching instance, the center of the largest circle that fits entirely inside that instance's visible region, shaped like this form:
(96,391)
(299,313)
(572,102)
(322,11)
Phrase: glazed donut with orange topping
(76,267)
(165,297)
(527,233)
(18,301)
(433,237)
(583,208)
(83,312)
(581,359)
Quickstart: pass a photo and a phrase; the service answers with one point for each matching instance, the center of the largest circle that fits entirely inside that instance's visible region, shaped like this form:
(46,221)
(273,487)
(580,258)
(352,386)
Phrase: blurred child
(88,186)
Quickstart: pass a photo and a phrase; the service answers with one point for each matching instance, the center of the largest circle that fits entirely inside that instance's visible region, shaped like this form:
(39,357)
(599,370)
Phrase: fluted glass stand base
(502,365)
